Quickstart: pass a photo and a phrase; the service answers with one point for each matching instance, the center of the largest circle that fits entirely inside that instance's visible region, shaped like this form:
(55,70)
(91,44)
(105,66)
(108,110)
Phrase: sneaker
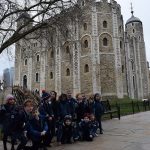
(96,135)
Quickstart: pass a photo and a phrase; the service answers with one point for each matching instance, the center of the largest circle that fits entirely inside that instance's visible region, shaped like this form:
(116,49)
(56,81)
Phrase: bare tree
(39,13)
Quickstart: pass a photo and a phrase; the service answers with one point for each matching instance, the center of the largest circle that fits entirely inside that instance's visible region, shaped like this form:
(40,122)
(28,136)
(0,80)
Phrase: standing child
(98,110)
(95,125)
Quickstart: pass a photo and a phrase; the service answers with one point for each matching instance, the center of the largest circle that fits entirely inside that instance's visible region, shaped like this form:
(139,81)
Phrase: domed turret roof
(133,19)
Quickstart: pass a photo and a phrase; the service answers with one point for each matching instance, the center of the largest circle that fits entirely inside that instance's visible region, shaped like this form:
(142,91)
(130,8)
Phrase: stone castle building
(93,54)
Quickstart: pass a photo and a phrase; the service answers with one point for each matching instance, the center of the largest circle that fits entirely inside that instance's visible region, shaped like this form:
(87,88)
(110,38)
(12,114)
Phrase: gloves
(43,133)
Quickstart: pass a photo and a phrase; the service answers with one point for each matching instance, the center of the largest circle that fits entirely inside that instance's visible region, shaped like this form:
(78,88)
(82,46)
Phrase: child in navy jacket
(65,131)
(98,110)
(37,130)
(85,129)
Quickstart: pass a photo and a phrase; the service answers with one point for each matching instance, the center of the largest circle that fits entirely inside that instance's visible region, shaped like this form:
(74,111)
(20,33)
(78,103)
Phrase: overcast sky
(141,10)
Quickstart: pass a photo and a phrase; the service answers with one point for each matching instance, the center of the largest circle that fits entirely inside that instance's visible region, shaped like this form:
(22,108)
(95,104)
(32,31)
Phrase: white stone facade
(91,55)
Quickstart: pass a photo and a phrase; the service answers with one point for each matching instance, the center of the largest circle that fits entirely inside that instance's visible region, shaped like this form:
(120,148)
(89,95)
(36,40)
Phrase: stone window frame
(120,29)
(37,77)
(75,45)
(85,27)
(86,43)
(86,68)
(122,68)
(105,24)
(83,3)
(67,49)
(67,72)
(26,62)
(133,31)
(121,46)
(67,33)
(37,57)
(105,42)
(133,78)
(51,75)
(52,54)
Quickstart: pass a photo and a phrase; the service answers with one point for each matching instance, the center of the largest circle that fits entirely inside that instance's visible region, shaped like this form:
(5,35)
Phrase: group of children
(67,118)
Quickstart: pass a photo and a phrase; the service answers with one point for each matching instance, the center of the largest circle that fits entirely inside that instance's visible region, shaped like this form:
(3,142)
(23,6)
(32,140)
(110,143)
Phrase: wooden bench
(109,110)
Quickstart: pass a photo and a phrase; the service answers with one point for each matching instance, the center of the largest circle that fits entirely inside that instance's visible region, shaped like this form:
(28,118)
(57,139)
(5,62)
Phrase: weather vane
(132,9)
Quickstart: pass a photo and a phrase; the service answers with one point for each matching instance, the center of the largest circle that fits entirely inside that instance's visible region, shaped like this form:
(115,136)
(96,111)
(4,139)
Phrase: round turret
(133,19)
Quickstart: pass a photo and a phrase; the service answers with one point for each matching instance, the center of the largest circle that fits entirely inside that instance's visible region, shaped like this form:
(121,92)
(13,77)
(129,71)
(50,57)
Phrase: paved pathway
(130,133)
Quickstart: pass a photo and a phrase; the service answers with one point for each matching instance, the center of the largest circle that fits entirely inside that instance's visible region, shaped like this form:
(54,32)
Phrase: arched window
(37,77)
(52,54)
(120,28)
(67,33)
(133,82)
(51,75)
(122,68)
(83,3)
(133,30)
(104,24)
(86,68)
(68,72)
(105,42)
(24,81)
(120,44)
(38,58)
(86,44)
(67,50)
(85,26)
(25,62)
(51,39)
(75,45)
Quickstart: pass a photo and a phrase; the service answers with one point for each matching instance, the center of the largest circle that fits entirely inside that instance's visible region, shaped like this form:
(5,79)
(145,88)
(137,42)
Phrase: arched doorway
(24,81)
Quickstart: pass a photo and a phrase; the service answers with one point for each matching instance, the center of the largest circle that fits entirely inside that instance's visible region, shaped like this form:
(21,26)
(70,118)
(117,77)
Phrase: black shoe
(101,132)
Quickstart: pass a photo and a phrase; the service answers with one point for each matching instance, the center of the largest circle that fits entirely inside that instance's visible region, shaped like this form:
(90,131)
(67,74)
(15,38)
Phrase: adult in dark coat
(98,110)
(72,104)
(55,112)
(64,107)
(82,107)
(7,112)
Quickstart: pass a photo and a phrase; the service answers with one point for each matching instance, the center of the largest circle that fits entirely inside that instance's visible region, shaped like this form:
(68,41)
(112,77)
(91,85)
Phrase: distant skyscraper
(8,76)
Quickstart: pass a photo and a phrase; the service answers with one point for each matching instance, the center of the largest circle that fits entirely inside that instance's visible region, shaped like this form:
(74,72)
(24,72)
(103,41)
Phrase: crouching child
(37,130)
(85,128)
(66,130)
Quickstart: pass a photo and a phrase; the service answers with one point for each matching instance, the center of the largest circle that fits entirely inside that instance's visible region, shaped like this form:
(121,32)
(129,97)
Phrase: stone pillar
(95,52)
(29,76)
(139,84)
(58,66)
(116,45)
(18,63)
(76,61)
(42,70)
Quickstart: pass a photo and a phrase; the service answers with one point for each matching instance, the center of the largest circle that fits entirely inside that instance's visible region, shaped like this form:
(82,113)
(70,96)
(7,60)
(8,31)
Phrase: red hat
(43,91)
(87,115)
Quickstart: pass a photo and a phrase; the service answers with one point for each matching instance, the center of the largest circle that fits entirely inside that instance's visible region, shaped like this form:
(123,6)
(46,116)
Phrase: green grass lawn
(129,106)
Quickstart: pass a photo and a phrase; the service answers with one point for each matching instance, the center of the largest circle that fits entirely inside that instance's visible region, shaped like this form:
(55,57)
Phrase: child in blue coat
(37,130)
(98,110)
(85,128)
